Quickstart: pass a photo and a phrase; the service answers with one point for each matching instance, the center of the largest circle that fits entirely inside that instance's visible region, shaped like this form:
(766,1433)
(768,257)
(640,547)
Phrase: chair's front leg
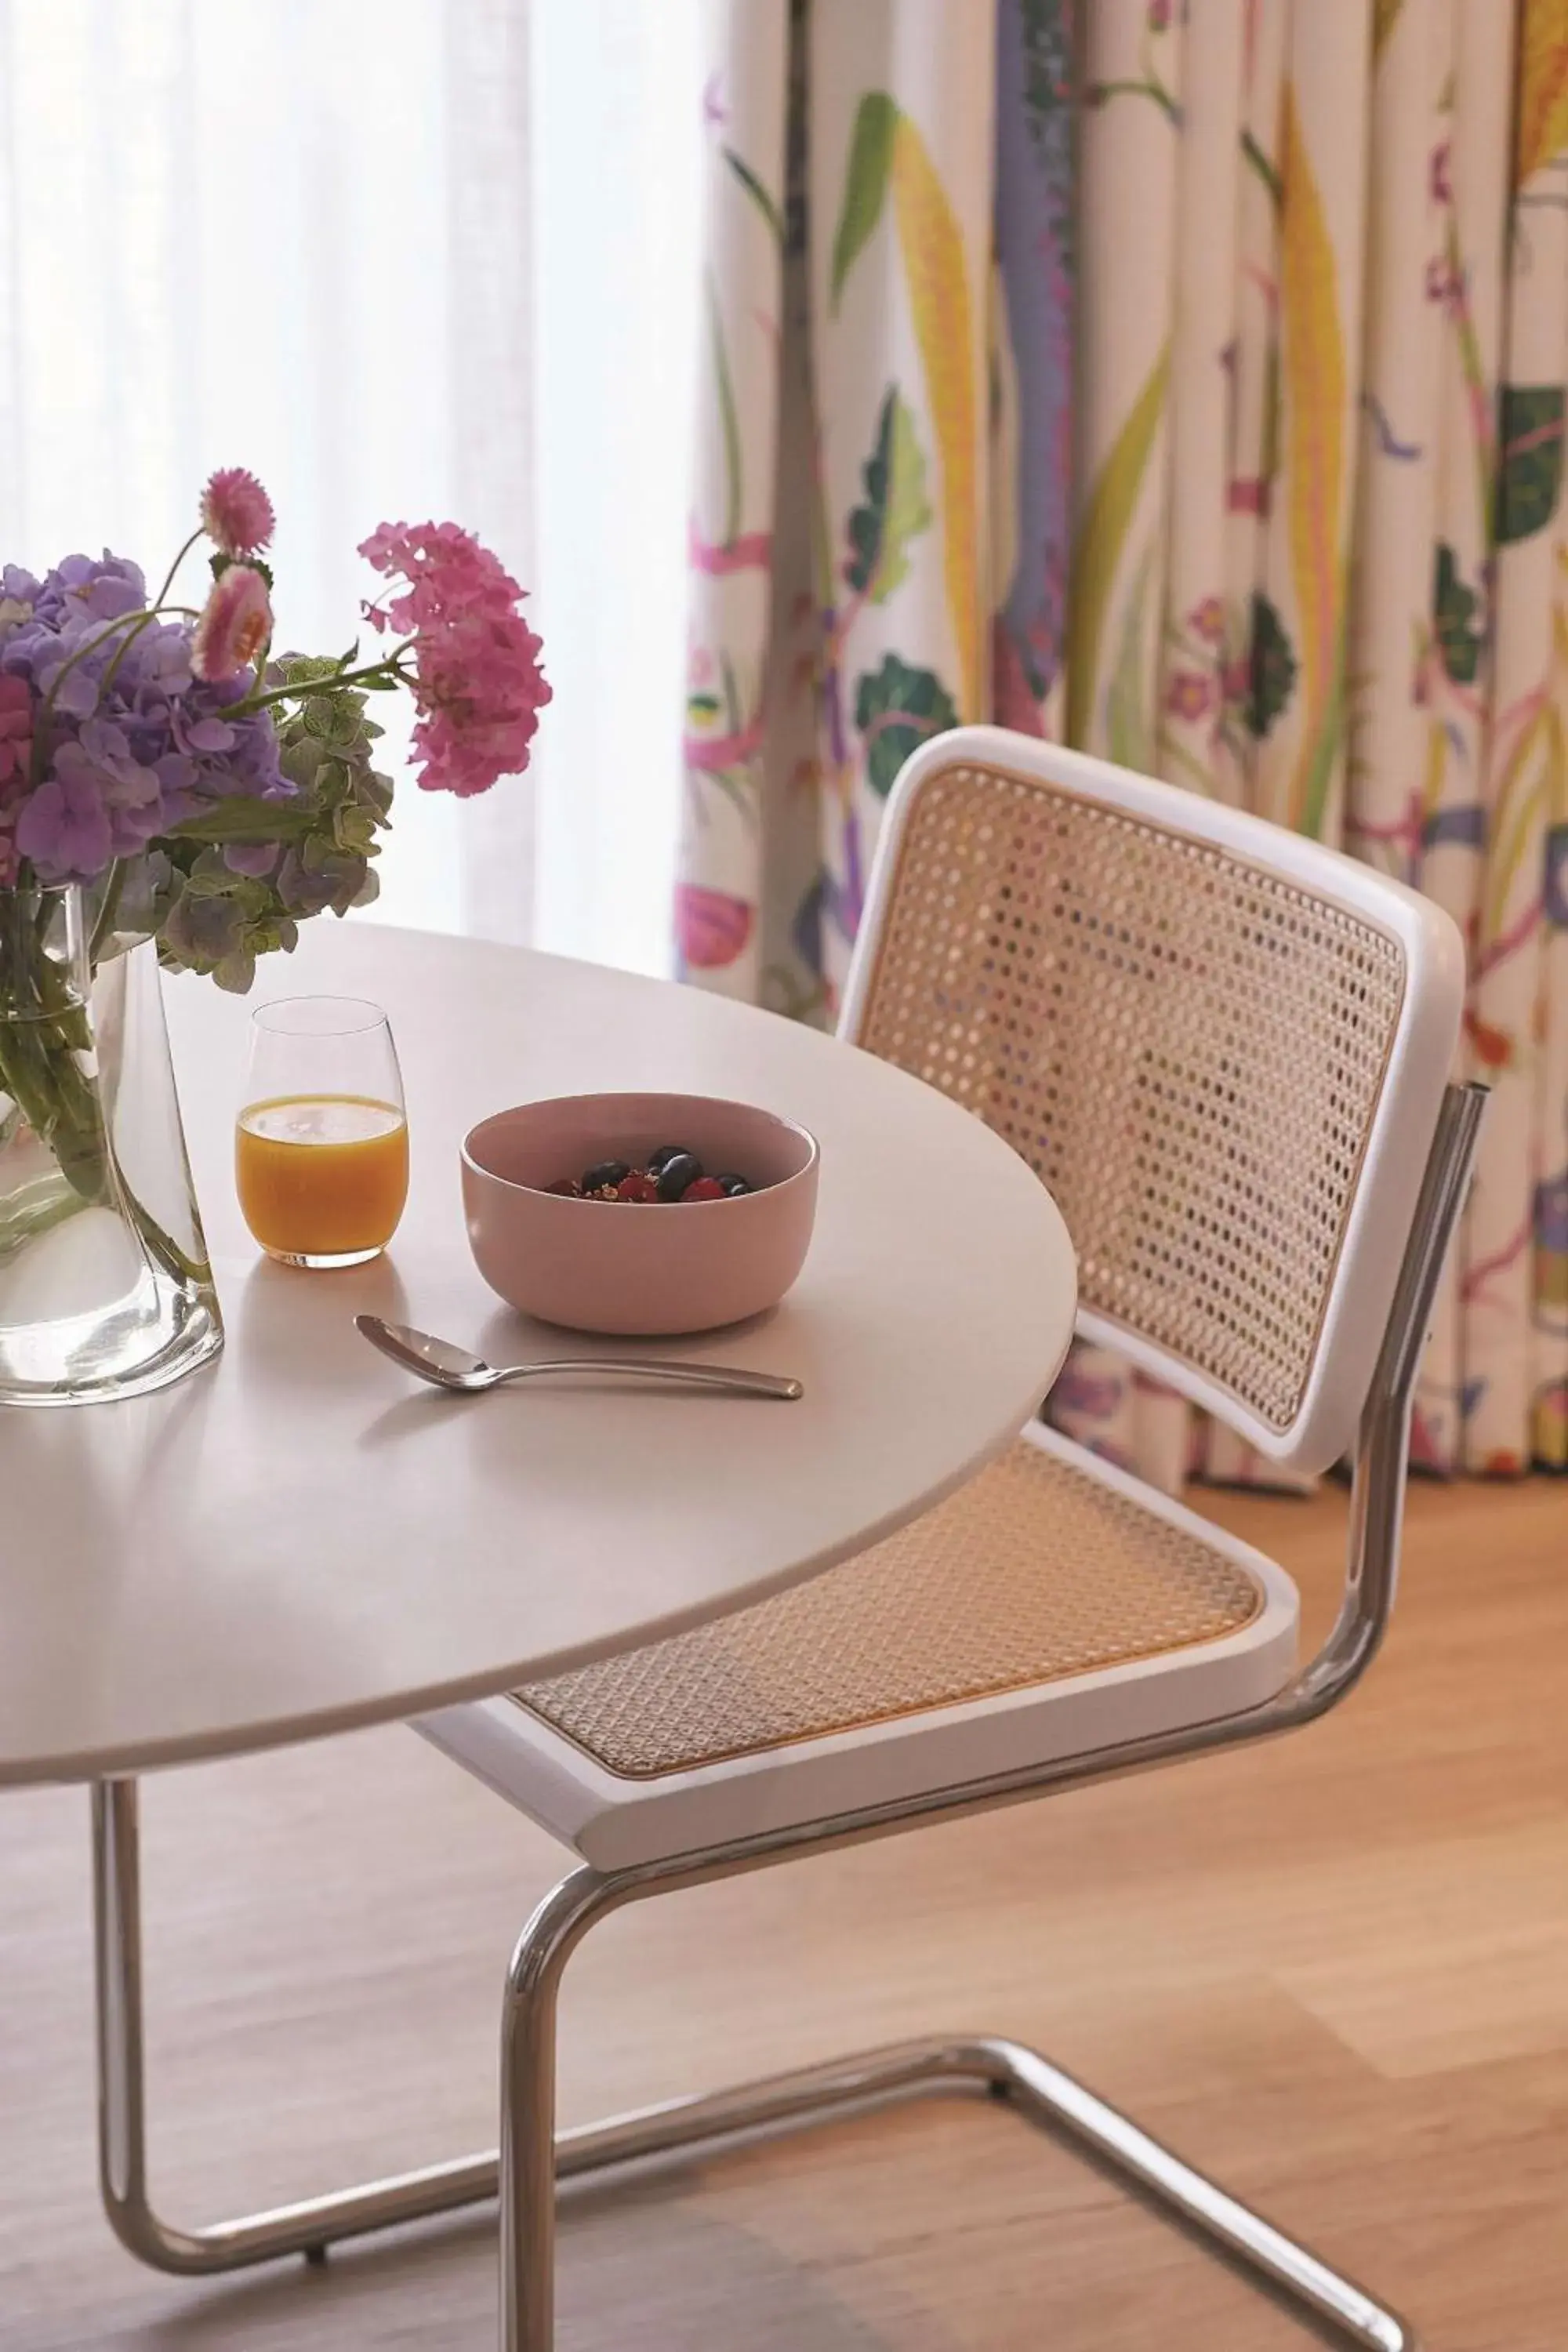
(528,2152)
(307,2227)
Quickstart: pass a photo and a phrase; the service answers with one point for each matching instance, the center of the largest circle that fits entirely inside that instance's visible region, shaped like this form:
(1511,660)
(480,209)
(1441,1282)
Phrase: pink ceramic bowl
(616,1266)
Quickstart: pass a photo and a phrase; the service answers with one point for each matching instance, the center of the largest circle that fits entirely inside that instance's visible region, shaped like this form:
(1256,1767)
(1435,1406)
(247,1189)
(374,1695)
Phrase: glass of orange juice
(320,1145)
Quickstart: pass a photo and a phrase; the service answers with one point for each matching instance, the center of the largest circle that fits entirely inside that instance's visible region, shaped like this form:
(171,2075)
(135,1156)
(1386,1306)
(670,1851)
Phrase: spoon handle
(727,1379)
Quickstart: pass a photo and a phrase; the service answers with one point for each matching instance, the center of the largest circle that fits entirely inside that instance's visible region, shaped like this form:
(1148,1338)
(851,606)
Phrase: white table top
(299,1538)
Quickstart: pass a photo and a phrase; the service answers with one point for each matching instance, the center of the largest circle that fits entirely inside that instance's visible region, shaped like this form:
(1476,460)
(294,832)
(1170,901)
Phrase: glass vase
(105,1287)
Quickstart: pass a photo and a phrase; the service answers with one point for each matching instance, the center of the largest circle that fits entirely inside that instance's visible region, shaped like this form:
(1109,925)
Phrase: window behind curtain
(402,257)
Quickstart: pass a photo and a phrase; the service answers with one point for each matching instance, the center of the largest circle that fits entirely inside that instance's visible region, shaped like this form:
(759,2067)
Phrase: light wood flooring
(1334,1971)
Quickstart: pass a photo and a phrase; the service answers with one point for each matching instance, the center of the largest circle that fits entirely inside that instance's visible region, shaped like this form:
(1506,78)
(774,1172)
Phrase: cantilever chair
(1225,1050)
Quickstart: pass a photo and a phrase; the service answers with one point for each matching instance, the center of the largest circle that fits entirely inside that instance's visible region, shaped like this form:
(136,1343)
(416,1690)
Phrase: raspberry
(637,1184)
(705,1188)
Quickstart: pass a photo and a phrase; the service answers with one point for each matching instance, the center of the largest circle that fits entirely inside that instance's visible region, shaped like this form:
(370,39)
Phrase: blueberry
(683,1168)
(656,1159)
(607,1171)
(733,1185)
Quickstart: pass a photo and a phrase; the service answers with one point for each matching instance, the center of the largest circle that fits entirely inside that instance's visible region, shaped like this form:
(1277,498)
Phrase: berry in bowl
(639,1216)
(669,1172)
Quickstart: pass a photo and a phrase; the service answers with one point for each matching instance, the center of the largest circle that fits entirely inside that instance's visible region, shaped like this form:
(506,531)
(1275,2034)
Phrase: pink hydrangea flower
(478,683)
(236,622)
(1189,694)
(238,513)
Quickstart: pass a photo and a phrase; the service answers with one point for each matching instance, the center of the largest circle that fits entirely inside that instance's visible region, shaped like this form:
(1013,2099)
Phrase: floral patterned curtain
(1186,380)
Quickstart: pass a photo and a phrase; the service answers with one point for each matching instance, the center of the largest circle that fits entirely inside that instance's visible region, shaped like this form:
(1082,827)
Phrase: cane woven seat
(1031,1574)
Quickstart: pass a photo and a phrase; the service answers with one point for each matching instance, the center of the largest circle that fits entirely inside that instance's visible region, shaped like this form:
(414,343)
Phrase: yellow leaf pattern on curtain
(1321,570)
(940,303)
(1313,364)
(1097,555)
(1542,86)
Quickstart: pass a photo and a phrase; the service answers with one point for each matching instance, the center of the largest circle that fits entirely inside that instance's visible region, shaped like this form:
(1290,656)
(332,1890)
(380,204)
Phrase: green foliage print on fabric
(1129,730)
(896,508)
(897,709)
(865,183)
(1098,552)
(729,416)
(757,192)
(1530,477)
(1272,669)
(1454,610)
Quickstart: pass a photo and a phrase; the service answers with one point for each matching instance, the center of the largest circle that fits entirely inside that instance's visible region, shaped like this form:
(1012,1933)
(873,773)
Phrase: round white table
(300,1540)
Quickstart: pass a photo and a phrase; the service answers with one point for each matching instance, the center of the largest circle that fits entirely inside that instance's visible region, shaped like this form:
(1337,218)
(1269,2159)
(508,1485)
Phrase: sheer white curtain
(402,257)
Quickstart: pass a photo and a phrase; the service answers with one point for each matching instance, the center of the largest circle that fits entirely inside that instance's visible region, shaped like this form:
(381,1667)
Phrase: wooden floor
(1333,1971)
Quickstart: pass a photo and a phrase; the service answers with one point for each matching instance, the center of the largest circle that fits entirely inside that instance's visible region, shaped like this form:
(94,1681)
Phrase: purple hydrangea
(135,743)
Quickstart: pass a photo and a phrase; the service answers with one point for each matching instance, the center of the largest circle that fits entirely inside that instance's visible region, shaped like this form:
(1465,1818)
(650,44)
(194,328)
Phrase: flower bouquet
(173,794)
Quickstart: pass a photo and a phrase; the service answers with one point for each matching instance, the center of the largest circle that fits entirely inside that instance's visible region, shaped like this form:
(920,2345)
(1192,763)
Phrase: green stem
(1265,170)
(40,1071)
(169,575)
(304,688)
(106,911)
(1099,93)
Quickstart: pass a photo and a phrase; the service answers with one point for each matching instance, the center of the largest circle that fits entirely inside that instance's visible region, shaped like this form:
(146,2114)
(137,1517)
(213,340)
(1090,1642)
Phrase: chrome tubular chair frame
(533,2158)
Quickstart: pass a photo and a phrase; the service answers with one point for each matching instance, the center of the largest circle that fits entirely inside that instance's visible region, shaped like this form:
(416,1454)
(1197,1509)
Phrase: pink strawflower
(478,683)
(238,513)
(236,622)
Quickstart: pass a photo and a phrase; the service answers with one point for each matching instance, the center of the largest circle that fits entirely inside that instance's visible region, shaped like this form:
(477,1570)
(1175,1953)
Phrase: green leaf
(1098,550)
(897,709)
(757,192)
(1454,607)
(246,819)
(1128,736)
(235,973)
(1272,668)
(1385,17)
(896,508)
(1530,477)
(1264,169)
(302,668)
(220,562)
(728,416)
(865,183)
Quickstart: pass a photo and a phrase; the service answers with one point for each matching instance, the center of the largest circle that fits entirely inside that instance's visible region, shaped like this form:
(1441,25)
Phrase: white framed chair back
(1223,1048)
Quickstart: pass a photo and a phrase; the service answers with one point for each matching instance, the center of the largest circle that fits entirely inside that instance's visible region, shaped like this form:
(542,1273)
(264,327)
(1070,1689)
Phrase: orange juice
(321,1178)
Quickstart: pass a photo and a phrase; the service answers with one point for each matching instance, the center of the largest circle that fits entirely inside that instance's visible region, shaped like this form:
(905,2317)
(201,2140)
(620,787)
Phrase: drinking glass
(321,1147)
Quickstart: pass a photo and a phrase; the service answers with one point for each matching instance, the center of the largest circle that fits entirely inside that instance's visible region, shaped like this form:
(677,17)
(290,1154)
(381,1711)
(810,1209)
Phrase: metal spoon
(449,1367)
